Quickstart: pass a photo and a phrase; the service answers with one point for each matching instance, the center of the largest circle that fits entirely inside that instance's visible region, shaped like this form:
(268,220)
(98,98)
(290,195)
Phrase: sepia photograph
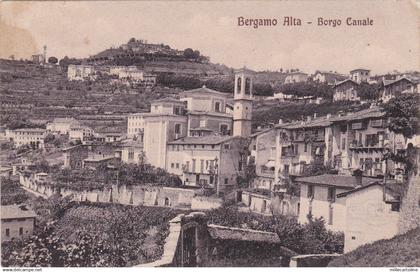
(140,134)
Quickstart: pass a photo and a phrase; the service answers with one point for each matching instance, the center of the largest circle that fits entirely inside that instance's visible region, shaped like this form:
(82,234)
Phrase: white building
(296,77)
(360,75)
(62,125)
(346,90)
(81,133)
(34,137)
(80,72)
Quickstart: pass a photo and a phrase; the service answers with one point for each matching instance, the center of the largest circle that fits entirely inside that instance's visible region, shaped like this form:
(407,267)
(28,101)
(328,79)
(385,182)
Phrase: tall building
(242,110)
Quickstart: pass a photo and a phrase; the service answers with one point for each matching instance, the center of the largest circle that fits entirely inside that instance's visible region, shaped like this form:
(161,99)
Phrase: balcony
(368,146)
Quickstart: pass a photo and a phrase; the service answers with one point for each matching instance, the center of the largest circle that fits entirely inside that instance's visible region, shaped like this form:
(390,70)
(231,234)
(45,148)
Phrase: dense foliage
(301,89)
(11,193)
(403,112)
(308,238)
(95,235)
(400,251)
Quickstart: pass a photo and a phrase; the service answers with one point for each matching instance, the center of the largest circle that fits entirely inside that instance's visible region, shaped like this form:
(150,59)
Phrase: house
(374,212)
(80,133)
(34,137)
(204,99)
(392,88)
(95,161)
(131,151)
(208,161)
(329,78)
(360,75)
(318,198)
(62,125)
(17,222)
(295,77)
(345,90)
(165,123)
(80,72)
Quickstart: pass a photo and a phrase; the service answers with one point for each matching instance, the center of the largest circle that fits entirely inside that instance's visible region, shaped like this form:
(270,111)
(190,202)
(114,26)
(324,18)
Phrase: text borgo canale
(294,21)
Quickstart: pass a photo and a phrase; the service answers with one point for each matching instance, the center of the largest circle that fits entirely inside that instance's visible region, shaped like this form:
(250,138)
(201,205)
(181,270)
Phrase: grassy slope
(402,250)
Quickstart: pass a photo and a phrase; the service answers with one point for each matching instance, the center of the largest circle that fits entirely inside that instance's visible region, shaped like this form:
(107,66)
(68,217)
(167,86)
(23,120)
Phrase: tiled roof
(98,158)
(211,113)
(203,140)
(341,82)
(390,82)
(203,89)
(393,188)
(335,180)
(360,115)
(168,99)
(16,211)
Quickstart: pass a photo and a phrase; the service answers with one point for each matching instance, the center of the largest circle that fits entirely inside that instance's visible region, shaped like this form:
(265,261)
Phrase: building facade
(346,91)
(34,137)
(17,222)
(360,75)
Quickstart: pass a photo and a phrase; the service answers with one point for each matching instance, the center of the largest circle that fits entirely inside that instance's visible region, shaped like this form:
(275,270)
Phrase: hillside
(400,251)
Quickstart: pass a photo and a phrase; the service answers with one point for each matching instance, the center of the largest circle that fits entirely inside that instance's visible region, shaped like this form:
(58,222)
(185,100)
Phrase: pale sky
(80,29)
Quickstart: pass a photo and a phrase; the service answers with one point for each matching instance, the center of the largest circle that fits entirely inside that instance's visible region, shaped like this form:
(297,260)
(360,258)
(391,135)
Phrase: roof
(16,211)
(203,89)
(64,120)
(244,70)
(344,81)
(335,180)
(211,113)
(168,100)
(359,69)
(238,234)
(31,129)
(212,139)
(360,115)
(98,158)
(331,77)
(390,82)
(393,187)
(297,73)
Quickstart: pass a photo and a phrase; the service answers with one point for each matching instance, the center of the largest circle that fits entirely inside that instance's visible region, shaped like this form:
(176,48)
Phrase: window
(177,128)
(217,106)
(306,147)
(193,166)
(226,180)
(330,216)
(211,179)
(187,166)
(311,191)
(226,146)
(131,155)
(202,123)
(167,203)
(239,85)
(395,207)
(7,232)
(331,194)
(343,144)
(177,166)
(224,129)
(286,169)
(248,86)
(201,166)
(172,165)
(20,231)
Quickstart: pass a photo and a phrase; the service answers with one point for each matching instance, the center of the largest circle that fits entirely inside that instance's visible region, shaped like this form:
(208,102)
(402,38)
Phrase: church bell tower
(242,111)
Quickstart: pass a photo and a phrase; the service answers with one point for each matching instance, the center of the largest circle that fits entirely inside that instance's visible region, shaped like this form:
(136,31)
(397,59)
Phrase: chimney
(358,175)
(328,115)
(280,121)
(314,115)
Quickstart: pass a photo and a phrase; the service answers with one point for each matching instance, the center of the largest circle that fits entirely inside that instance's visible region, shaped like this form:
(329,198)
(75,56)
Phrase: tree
(189,53)
(403,112)
(52,60)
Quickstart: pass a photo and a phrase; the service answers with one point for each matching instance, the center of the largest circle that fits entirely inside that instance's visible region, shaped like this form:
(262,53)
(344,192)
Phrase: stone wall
(312,260)
(205,203)
(410,206)
(128,195)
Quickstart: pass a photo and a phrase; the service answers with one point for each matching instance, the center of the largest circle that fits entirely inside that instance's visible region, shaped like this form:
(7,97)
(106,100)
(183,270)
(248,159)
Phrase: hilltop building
(296,77)
(329,78)
(80,72)
(345,90)
(360,75)
(391,88)
(34,137)
(62,125)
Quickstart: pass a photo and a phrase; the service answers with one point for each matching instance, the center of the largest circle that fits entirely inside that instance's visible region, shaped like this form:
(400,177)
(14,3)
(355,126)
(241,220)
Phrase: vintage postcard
(139,134)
